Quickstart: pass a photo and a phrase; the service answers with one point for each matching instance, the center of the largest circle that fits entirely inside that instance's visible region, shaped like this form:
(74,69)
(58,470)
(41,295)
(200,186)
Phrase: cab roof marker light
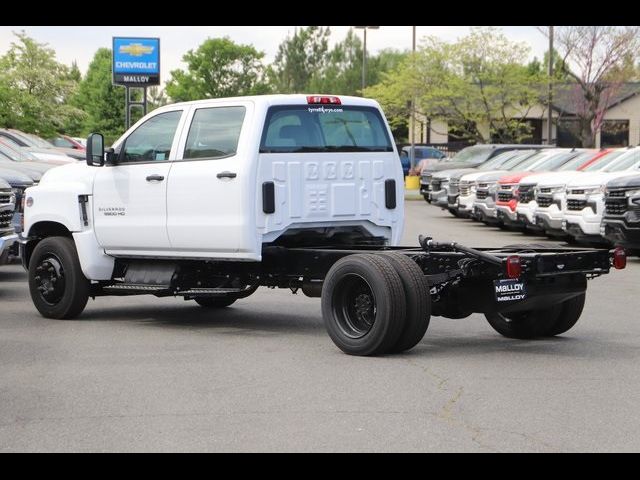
(323,100)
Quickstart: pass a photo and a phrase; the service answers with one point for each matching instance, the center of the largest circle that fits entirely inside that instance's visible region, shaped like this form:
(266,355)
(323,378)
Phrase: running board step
(137,289)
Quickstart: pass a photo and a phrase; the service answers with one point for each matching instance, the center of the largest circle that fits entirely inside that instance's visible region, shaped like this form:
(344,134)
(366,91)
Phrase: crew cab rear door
(210,191)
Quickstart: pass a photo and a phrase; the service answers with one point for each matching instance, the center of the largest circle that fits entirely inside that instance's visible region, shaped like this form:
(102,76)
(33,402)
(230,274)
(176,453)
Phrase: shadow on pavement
(191,316)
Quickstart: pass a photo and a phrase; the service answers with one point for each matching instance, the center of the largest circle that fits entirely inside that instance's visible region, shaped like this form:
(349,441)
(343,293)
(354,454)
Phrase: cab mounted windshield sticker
(325,110)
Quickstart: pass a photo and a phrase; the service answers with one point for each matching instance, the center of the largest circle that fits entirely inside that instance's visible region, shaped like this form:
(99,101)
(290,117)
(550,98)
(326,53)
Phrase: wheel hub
(49,279)
(364,308)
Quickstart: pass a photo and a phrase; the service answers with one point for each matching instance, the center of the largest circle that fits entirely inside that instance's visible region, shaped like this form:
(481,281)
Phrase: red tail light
(514,267)
(324,100)
(619,258)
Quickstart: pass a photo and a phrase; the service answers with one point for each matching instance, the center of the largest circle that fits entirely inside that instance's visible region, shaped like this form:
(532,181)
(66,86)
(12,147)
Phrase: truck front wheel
(363,304)
(57,285)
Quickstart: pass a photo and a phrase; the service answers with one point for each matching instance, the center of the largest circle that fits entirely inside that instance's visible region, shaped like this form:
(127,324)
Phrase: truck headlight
(594,190)
(633,193)
(473,188)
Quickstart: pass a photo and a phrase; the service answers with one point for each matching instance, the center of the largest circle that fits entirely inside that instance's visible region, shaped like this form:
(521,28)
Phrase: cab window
(151,141)
(214,132)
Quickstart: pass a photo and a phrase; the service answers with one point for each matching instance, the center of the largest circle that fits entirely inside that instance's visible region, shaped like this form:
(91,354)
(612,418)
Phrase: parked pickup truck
(8,236)
(621,221)
(210,200)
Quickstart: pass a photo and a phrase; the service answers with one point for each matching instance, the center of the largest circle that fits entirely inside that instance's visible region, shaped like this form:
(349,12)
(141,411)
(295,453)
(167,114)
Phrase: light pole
(364,55)
(550,92)
(412,157)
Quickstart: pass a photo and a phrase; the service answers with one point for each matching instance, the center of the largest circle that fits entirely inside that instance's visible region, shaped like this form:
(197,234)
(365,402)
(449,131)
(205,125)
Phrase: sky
(73,43)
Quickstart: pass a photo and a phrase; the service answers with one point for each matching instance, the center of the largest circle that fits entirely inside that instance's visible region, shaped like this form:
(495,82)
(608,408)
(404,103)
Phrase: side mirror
(95,150)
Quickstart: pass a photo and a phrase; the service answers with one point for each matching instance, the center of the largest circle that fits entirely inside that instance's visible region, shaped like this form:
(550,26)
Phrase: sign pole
(127,104)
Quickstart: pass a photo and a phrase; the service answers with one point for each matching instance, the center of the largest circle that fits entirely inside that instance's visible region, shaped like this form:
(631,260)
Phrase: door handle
(227,175)
(155,178)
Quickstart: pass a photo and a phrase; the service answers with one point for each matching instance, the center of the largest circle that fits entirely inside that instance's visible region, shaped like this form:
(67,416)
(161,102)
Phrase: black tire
(571,311)
(57,285)
(363,304)
(4,258)
(426,198)
(215,302)
(453,212)
(418,307)
(525,325)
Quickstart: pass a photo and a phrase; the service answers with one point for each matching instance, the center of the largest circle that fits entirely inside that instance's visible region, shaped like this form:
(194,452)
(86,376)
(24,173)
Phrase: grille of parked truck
(8,236)
(621,220)
(211,200)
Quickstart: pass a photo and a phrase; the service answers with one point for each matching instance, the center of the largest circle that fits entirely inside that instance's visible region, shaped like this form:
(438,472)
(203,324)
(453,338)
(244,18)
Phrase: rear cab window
(318,128)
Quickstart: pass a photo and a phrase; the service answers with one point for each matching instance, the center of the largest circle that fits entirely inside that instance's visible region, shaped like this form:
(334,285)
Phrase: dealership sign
(136,61)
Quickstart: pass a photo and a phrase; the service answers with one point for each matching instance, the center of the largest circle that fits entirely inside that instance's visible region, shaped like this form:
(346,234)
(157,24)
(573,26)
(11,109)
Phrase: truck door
(210,193)
(130,204)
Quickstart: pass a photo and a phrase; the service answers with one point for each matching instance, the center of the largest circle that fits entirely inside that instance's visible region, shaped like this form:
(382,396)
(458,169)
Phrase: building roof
(566,97)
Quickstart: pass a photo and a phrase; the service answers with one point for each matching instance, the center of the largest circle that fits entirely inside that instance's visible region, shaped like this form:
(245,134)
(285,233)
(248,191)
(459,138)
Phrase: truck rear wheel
(215,302)
(539,323)
(571,311)
(525,325)
(57,285)
(363,304)
(418,298)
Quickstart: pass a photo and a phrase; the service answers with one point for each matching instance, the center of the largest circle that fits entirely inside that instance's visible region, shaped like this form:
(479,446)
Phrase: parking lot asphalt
(147,374)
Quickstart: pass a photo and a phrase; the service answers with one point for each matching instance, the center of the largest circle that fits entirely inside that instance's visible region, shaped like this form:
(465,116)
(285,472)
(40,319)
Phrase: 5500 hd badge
(113,211)
(509,290)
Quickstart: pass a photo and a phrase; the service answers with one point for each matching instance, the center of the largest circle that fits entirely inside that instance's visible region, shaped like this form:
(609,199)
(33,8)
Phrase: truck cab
(217,179)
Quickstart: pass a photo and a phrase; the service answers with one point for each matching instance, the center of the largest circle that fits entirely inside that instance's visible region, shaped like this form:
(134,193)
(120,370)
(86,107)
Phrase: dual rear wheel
(375,304)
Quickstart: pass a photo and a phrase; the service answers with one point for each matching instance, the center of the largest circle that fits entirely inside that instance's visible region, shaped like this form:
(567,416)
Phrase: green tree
(218,68)
(341,71)
(102,102)
(480,80)
(156,97)
(34,88)
(298,59)
(537,67)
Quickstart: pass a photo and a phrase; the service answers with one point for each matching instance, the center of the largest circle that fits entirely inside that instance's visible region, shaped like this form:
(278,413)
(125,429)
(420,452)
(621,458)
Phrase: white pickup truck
(210,200)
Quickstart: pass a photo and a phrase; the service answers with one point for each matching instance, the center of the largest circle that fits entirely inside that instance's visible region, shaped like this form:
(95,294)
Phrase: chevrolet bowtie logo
(136,49)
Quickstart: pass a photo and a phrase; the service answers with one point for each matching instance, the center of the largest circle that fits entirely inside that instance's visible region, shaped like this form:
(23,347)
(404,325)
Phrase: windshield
(498,160)
(14,152)
(624,162)
(316,128)
(472,153)
(62,142)
(37,141)
(604,161)
(554,161)
(523,163)
(576,162)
